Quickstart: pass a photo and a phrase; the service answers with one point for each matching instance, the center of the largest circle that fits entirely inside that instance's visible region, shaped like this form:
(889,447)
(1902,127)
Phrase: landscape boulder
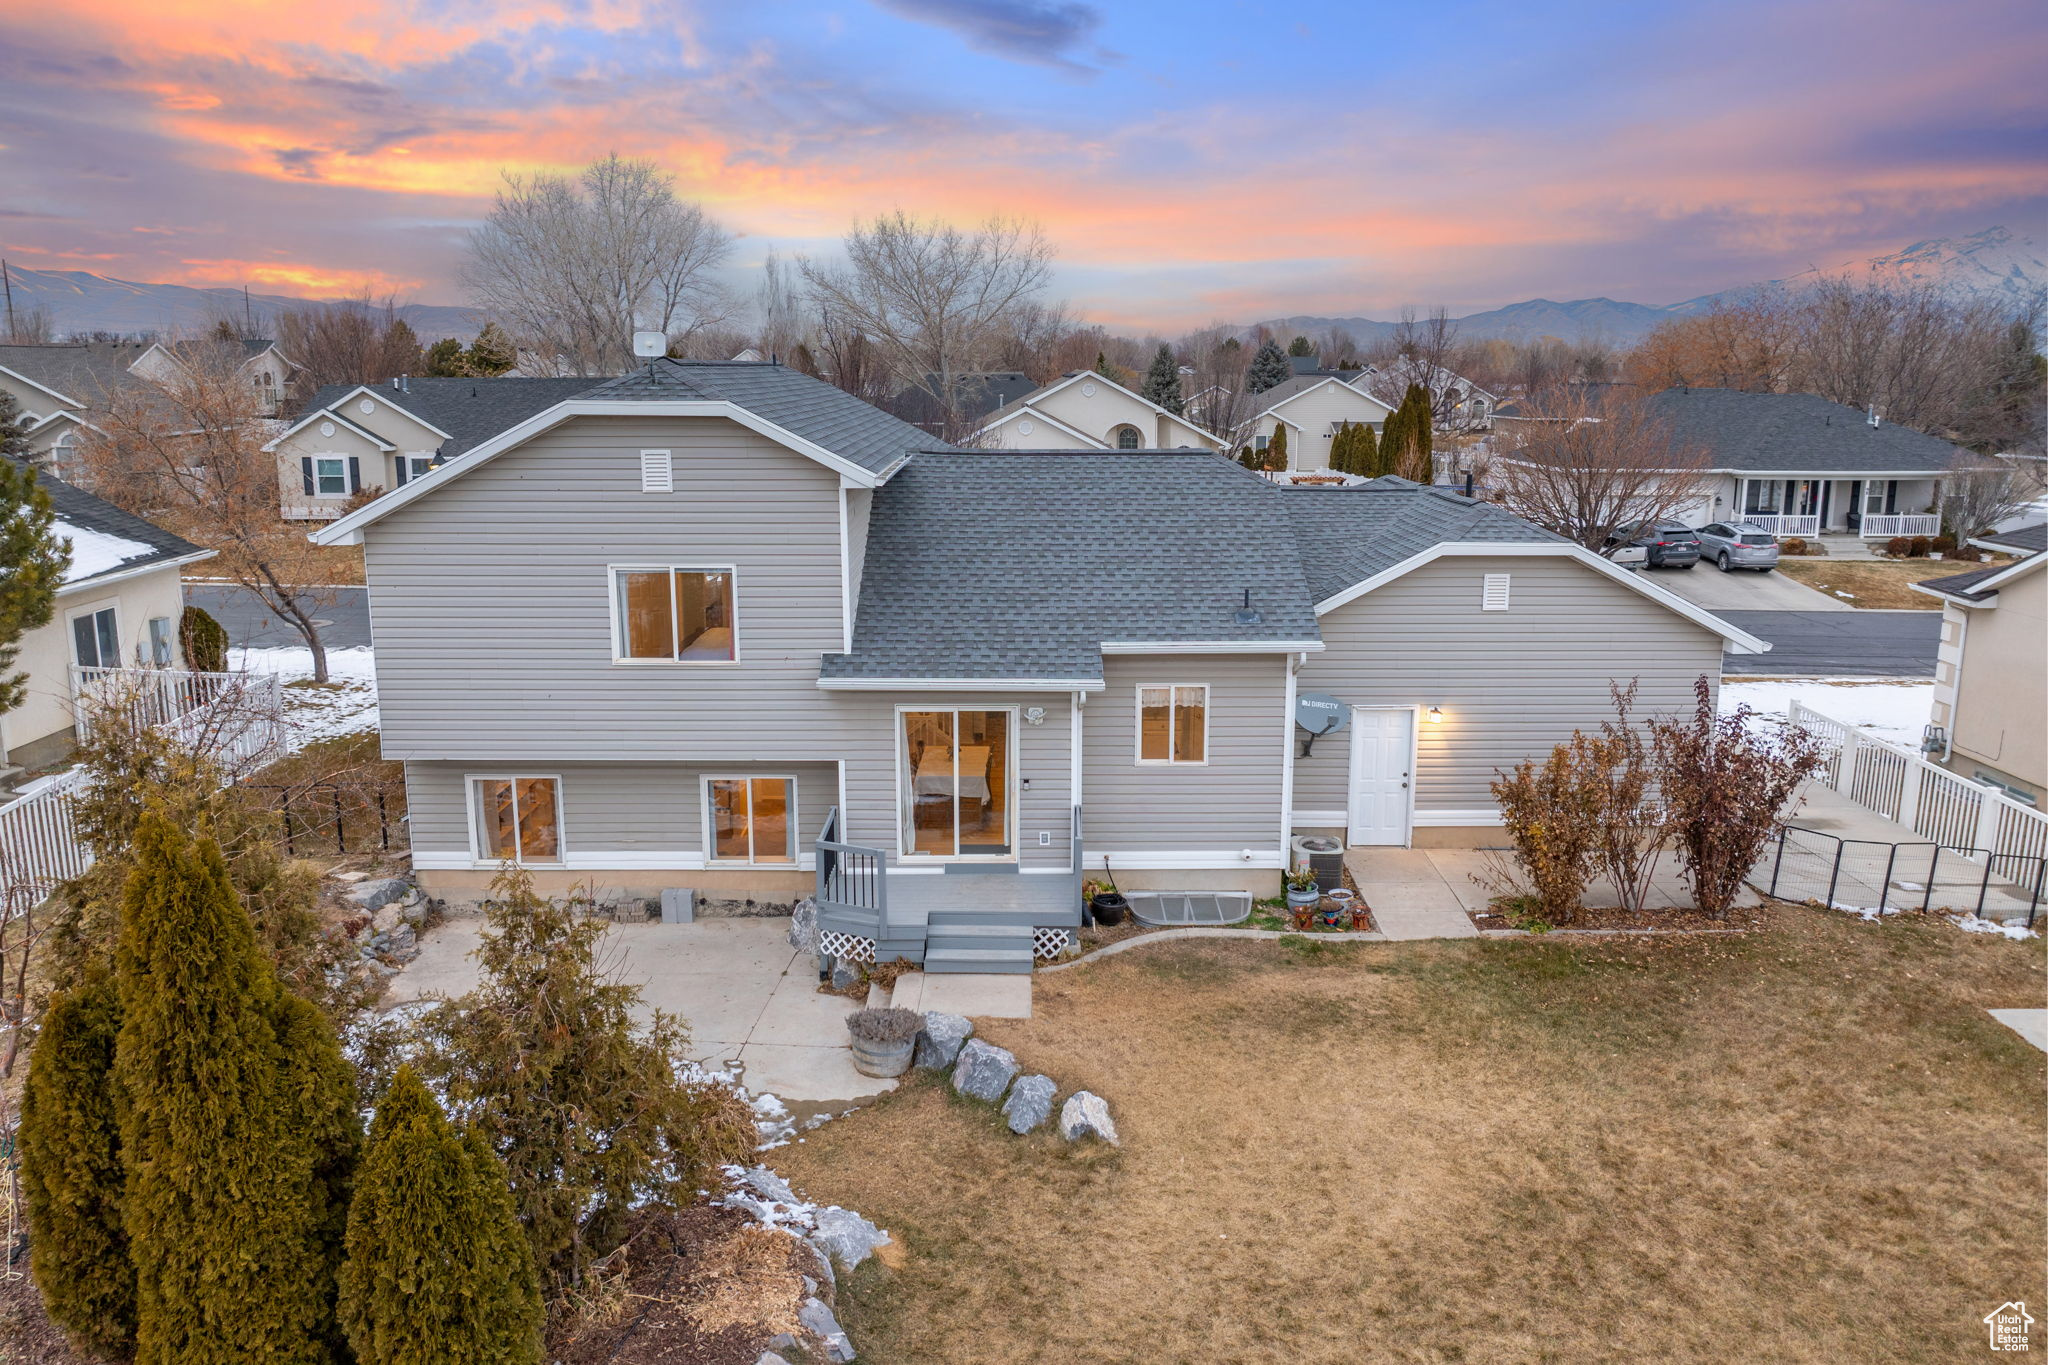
(844,1237)
(376,894)
(1030,1103)
(844,973)
(817,1319)
(803,926)
(939,1043)
(984,1071)
(1086,1115)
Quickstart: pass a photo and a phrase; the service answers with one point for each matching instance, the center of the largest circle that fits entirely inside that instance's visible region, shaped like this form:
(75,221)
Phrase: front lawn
(1876,583)
(1804,1144)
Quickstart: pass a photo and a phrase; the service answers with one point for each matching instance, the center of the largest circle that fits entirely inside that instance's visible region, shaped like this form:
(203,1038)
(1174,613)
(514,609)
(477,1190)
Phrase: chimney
(1873,415)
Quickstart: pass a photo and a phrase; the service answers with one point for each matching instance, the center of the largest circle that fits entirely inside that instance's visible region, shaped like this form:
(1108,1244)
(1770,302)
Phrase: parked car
(1666,544)
(1736,545)
(1631,557)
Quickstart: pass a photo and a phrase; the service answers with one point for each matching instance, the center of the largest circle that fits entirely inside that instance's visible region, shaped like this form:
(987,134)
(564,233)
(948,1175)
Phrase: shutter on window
(1494,597)
(657,472)
(400,467)
(306,472)
(355,474)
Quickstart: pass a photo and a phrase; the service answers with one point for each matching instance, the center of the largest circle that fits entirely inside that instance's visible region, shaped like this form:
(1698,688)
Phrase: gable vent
(1494,596)
(657,472)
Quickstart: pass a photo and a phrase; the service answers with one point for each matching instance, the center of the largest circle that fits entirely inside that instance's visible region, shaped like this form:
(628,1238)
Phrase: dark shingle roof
(806,407)
(471,411)
(1021,564)
(976,396)
(1796,433)
(1962,586)
(1349,534)
(84,371)
(76,507)
(2026,539)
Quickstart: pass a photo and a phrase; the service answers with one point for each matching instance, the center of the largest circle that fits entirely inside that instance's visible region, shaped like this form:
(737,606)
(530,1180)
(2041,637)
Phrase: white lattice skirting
(1047,944)
(846,947)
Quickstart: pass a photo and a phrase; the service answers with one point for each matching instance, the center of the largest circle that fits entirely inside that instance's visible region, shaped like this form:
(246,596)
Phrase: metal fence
(1868,874)
(337,818)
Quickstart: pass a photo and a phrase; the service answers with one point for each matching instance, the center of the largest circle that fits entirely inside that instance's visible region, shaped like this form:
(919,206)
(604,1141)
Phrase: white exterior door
(1382,762)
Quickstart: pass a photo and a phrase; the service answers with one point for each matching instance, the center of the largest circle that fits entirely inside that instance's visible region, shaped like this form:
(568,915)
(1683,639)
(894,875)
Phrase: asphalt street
(1838,644)
(343,614)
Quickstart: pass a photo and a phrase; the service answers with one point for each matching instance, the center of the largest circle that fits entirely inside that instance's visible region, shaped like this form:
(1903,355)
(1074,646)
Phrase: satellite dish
(650,344)
(1319,713)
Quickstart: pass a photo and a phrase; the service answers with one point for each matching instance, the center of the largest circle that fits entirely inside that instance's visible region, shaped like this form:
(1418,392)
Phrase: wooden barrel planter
(883,1040)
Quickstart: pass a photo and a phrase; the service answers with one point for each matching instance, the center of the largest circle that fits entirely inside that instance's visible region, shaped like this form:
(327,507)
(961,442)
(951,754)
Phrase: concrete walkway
(2031,1025)
(1743,590)
(1869,871)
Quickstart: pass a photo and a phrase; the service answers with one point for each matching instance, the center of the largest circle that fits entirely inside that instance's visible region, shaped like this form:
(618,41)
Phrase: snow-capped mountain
(1996,260)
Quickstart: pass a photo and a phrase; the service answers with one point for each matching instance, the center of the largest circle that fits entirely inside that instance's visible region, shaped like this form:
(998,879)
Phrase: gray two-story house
(723,626)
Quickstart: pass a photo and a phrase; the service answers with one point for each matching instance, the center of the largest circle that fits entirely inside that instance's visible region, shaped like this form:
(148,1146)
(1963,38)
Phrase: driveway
(344,614)
(1743,590)
(1838,644)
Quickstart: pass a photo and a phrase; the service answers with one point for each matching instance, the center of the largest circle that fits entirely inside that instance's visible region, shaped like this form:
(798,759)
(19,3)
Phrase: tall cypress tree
(1162,380)
(439,1271)
(1393,442)
(1269,367)
(236,1125)
(1276,448)
(32,558)
(71,1171)
(1366,457)
(1417,462)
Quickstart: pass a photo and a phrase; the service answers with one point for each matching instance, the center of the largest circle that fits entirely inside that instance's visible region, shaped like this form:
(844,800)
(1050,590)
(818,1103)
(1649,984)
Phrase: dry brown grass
(1876,583)
(1807,1144)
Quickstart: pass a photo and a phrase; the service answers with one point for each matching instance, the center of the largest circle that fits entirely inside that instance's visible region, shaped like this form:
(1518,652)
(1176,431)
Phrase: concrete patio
(747,996)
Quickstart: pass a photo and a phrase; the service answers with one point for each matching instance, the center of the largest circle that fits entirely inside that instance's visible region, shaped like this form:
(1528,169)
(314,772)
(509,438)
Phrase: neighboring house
(354,438)
(1457,402)
(2020,540)
(119,607)
(1799,465)
(267,370)
(976,396)
(750,636)
(1311,408)
(1990,715)
(1086,411)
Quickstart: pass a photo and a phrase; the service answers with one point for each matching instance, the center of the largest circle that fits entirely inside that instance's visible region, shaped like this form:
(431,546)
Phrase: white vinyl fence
(235,719)
(1924,797)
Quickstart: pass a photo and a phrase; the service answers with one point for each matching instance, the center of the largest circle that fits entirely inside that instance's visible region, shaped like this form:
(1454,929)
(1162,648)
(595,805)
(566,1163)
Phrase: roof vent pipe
(1873,414)
(1246,614)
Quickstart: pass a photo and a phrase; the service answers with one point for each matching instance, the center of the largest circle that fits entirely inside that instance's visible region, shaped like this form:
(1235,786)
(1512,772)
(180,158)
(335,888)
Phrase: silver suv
(1733,545)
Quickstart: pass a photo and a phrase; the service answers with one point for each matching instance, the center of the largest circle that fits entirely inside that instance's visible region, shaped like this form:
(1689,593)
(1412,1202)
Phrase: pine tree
(1162,381)
(445,360)
(32,561)
(1269,367)
(236,1125)
(71,1172)
(1102,366)
(1393,443)
(1301,346)
(1416,432)
(1249,458)
(13,430)
(202,641)
(1276,449)
(1366,455)
(438,1271)
(492,353)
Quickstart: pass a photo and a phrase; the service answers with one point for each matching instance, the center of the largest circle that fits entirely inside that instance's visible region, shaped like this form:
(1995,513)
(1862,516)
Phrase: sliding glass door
(956,778)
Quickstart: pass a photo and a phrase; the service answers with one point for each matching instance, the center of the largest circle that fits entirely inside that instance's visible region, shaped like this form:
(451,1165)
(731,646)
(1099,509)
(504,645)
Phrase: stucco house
(119,607)
(1311,408)
(1087,411)
(768,642)
(1990,715)
(1799,465)
(355,438)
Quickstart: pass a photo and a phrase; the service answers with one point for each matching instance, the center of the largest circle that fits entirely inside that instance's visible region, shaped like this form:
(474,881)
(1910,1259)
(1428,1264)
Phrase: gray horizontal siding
(1232,803)
(491,611)
(610,807)
(1511,684)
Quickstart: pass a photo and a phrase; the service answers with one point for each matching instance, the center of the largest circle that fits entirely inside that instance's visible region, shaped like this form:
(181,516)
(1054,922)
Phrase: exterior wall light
(1436,715)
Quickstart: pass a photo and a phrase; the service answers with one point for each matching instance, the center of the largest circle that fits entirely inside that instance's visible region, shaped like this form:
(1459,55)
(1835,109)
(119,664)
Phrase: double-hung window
(1173,724)
(752,819)
(162,644)
(96,639)
(517,819)
(330,476)
(674,615)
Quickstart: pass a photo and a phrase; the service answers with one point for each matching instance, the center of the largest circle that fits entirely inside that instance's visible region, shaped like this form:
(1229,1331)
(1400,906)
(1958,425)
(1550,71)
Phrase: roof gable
(1037,397)
(1303,385)
(108,543)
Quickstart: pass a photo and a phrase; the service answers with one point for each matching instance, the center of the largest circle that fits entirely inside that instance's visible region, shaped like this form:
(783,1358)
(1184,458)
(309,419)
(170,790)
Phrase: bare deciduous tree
(1590,467)
(189,452)
(574,267)
(933,299)
(1978,492)
(355,341)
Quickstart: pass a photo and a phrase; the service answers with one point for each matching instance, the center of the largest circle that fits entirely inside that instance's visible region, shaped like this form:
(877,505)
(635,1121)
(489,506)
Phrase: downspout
(1294,664)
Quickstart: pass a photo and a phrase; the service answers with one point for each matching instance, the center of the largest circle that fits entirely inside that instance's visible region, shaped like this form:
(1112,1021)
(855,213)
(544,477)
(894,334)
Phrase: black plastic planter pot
(1109,907)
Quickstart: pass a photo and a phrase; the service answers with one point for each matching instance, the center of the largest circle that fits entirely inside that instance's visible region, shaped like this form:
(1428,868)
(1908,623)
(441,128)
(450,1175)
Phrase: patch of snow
(1891,710)
(346,706)
(96,552)
(1970,924)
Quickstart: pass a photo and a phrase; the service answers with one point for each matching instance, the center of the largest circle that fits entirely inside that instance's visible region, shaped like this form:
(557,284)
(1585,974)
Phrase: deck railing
(851,877)
(1779,525)
(39,847)
(1924,797)
(1884,526)
(233,718)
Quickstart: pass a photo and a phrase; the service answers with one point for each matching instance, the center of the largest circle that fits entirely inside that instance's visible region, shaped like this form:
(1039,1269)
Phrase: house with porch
(1312,408)
(769,642)
(1088,411)
(1799,465)
(118,608)
(357,438)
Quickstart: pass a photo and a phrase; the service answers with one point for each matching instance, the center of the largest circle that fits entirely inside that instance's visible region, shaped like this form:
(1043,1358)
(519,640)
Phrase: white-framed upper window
(750,819)
(163,644)
(330,476)
(96,638)
(415,466)
(515,819)
(1173,724)
(674,614)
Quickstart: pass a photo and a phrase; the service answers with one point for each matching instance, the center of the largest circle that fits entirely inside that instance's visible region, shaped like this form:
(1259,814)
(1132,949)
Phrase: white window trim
(1138,726)
(94,609)
(417,463)
(619,659)
(341,460)
(711,858)
(1012,793)
(474,809)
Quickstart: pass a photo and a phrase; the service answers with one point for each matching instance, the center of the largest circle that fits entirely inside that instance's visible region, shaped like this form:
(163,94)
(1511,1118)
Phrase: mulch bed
(27,1336)
(1613,917)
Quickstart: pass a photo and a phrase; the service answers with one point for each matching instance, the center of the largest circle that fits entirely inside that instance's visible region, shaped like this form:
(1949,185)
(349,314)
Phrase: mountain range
(1995,261)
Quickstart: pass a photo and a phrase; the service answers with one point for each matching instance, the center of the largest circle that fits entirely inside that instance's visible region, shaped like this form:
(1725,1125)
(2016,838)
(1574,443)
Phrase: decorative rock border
(982,1071)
